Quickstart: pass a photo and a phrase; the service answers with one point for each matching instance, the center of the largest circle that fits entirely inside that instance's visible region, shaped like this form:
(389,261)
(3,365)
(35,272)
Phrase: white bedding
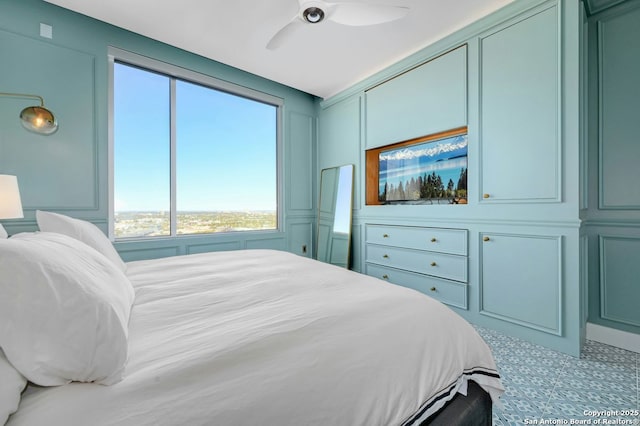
(261,337)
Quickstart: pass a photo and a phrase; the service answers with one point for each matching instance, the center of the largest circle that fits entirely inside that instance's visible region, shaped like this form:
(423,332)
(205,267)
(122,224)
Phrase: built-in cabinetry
(512,257)
(520,145)
(427,99)
(430,260)
(521,279)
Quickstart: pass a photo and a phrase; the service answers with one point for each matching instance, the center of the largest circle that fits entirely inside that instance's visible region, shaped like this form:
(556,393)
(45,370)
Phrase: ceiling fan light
(313,15)
(38,119)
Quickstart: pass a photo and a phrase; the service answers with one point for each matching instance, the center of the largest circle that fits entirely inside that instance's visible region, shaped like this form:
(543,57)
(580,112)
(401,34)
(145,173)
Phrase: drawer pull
(434,264)
(486,239)
(386,256)
(385,277)
(433,289)
(485,195)
(433,240)
(385,235)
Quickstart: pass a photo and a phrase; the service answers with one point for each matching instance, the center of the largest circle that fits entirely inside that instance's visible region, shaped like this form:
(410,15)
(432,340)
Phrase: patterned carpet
(548,387)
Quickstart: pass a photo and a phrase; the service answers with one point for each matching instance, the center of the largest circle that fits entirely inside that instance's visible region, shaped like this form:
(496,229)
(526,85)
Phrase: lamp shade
(10,204)
(38,119)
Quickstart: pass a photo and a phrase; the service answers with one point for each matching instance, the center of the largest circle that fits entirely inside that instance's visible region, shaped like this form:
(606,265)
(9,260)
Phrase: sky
(225,152)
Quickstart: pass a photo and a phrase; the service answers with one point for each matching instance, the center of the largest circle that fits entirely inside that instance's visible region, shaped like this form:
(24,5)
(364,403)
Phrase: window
(190,154)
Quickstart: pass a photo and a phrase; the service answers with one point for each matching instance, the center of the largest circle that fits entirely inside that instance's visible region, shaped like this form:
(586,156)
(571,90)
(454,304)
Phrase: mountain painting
(433,172)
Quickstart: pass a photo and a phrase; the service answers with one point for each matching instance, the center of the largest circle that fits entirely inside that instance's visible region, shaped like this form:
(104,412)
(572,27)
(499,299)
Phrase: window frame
(116,55)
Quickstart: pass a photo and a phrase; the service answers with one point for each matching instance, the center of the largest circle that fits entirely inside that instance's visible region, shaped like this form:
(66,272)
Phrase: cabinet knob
(385,277)
(432,289)
(386,256)
(433,264)
(433,240)
(385,235)
(486,239)
(485,195)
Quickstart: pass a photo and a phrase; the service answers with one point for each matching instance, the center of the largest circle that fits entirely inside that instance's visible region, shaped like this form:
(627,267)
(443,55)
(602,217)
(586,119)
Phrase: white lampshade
(10,204)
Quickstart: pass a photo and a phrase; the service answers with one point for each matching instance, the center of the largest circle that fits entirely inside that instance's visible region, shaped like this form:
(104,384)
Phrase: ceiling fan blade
(361,14)
(284,33)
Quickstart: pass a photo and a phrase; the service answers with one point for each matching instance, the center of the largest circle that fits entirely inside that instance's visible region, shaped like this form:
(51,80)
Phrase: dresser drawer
(449,292)
(425,262)
(444,240)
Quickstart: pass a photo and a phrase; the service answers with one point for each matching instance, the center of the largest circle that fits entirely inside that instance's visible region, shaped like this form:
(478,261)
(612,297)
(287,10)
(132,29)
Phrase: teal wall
(612,202)
(518,89)
(577,220)
(67,172)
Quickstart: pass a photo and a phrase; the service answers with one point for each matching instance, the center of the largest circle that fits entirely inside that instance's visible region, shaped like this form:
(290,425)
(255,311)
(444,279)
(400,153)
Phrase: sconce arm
(22,95)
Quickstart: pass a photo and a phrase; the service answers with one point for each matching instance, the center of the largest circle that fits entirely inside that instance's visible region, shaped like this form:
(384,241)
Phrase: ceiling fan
(347,13)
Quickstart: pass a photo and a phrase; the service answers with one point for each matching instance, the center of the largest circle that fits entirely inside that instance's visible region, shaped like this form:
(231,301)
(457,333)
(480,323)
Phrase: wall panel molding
(300,236)
(619,270)
(300,162)
(618,94)
(129,255)
(265,243)
(69,90)
(207,247)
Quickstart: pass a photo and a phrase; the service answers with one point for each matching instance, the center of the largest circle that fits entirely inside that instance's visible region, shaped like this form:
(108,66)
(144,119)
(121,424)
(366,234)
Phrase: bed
(267,337)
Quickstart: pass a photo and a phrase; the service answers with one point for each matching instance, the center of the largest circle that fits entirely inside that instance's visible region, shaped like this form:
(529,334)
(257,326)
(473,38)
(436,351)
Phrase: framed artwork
(429,170)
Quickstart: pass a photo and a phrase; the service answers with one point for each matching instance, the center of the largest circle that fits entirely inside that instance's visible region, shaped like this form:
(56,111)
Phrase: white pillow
(81,230)
(11,386)
(64,310)
(3,233)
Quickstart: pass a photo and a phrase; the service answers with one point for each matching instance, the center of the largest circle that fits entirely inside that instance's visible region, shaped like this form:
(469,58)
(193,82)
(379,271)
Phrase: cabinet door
(428,99)
(521,280)
(520,151)
(619,66)
(619,282)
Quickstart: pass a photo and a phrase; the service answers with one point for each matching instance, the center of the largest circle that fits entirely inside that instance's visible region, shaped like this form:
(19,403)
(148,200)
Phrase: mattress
(267,337)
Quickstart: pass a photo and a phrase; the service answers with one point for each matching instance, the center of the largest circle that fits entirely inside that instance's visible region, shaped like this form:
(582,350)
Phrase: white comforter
(261,337)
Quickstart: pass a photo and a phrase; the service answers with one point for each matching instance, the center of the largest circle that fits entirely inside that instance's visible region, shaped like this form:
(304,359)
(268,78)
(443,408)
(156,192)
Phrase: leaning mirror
(334,215)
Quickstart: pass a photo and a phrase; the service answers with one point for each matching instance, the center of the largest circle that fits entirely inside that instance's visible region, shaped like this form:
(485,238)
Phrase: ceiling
(321,59)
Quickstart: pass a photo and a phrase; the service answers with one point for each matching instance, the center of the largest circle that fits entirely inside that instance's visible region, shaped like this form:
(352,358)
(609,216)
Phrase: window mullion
(173,217)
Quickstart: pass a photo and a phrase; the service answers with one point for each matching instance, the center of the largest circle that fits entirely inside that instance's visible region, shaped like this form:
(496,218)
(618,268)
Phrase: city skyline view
(157,224)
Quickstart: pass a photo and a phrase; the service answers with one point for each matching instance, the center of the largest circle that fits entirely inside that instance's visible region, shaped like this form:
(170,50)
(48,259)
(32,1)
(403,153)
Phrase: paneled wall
(511,80)
(67,171)
(37,158)
(613,197)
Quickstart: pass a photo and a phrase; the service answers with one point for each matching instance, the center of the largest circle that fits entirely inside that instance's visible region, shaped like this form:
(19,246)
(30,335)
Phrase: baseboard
(613,337)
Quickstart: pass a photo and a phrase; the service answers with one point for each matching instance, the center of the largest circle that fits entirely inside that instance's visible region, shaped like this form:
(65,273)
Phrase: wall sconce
(10,204)
(36,119)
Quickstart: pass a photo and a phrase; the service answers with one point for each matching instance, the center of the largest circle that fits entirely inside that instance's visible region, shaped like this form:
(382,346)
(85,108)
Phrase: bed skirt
(475,409)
